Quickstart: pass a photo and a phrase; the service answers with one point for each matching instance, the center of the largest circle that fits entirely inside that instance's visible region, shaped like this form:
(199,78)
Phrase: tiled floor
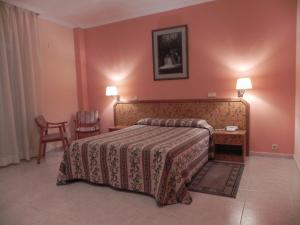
(269,194)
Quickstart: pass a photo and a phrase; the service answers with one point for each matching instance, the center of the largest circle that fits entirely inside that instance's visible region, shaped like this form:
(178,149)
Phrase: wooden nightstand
(230,146)
(110,129)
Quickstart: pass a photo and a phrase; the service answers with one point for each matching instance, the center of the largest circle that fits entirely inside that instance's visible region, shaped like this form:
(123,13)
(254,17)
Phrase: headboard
(217,112)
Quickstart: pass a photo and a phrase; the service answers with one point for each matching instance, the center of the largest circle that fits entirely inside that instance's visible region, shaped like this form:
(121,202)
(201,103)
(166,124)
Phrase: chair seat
(88,129)
(53,137)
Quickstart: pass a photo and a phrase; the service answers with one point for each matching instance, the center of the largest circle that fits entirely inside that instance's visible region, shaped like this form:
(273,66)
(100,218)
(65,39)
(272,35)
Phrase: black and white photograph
(170,53)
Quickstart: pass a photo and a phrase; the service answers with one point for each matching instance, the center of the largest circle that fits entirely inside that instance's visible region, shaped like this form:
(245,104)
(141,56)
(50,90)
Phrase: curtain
(19,67)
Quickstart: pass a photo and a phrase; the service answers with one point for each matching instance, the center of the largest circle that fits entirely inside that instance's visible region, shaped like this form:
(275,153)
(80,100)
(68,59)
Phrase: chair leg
(64,143)
(40,152)
(67,143)
(44,149)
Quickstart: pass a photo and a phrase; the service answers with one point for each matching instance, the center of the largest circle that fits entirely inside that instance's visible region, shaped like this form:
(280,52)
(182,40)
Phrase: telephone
(231,128)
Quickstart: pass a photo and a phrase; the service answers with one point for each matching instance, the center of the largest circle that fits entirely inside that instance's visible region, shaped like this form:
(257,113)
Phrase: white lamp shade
(111,91)
(243,83)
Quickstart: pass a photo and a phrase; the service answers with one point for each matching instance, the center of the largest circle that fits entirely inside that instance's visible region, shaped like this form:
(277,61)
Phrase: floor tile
(269,194)
(267,217)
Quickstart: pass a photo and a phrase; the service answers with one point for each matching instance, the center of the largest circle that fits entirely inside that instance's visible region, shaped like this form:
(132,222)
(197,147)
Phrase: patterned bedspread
(156,160)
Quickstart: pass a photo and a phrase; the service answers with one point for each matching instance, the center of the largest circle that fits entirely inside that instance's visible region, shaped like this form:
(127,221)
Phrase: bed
(157,157)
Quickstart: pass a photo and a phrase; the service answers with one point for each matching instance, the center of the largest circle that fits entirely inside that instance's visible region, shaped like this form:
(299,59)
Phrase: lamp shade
(111,91)
(243,83)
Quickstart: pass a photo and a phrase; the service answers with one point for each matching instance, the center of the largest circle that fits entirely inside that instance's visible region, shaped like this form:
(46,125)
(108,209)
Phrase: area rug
(218,178)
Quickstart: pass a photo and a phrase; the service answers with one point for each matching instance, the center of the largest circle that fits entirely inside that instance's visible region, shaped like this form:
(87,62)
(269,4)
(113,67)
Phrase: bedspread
(155,160)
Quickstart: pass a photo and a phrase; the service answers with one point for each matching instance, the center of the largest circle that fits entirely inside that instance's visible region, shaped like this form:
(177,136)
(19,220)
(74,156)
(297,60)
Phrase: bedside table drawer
(228,139)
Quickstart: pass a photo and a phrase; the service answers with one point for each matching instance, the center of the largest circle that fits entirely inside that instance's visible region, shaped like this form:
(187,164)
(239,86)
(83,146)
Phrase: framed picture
(170,53)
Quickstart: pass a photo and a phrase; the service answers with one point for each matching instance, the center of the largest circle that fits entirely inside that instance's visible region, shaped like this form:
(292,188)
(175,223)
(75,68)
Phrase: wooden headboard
(217,112)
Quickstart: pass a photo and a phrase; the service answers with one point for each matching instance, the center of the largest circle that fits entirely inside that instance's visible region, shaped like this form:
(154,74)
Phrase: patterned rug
(218,178)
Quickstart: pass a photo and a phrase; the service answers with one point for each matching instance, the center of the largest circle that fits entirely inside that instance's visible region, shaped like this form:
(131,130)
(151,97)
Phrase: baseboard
(271,154)
(297,163)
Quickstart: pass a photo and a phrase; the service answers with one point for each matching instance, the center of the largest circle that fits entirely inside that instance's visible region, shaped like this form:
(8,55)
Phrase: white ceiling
(89,13)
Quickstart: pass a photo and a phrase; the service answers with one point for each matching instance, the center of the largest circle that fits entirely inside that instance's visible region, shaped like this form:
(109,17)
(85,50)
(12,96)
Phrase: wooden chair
(46,137)
(87,123)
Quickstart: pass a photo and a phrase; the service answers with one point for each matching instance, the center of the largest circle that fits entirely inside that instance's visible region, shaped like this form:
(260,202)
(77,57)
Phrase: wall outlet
(211,94)
(274,147)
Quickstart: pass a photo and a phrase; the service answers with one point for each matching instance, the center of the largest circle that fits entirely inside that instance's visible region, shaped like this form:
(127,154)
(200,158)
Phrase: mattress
(156,159)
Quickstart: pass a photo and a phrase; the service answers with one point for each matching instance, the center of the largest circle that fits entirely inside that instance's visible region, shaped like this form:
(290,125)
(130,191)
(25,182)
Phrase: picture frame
(170,53)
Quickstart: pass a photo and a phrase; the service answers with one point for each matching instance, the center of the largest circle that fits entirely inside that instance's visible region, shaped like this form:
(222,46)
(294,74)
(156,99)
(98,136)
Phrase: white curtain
(19,67)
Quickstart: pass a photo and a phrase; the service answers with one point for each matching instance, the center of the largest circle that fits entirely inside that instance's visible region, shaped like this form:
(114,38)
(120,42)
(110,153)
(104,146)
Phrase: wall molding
(146,12)
(271,154)
(51,16)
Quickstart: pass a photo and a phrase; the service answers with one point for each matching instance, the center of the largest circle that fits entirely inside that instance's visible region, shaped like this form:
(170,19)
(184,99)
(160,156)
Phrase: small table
(230,146)
(115,128)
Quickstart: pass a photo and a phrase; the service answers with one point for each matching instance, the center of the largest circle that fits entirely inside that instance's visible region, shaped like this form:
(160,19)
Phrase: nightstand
(230,146)
(110,129)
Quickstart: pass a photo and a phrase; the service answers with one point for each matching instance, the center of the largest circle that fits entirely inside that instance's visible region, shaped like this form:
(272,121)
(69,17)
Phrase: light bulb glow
(243,83)
(111,91)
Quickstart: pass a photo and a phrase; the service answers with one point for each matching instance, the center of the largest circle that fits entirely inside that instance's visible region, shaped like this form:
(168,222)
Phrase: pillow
(186,122)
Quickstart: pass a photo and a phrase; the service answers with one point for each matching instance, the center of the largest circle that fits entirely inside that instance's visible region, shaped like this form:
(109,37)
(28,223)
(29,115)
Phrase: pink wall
(297,111)
(57,84)
(82,90)
(227,39)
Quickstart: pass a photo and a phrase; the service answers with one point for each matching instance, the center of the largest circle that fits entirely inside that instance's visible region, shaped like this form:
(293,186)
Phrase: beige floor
(269,194)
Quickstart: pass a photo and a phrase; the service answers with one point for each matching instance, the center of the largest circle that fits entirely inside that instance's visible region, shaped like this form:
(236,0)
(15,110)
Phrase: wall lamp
(243,84)
(112,91)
